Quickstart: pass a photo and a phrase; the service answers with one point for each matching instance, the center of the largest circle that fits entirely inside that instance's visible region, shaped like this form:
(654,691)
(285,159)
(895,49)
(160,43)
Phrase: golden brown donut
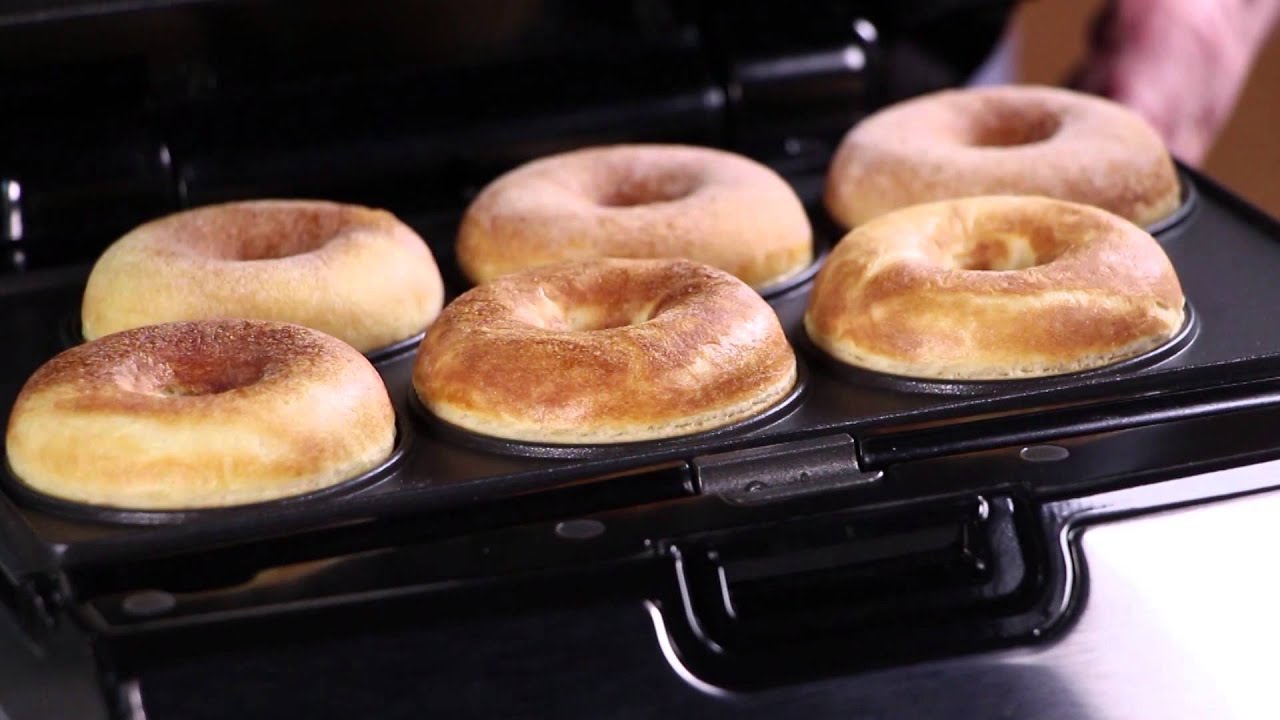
(994,288)
(604,351)
(199,414)
(638,201)
(356,273)
(1016,140)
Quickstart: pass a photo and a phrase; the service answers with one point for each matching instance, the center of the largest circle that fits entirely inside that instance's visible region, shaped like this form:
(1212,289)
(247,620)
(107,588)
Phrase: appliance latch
(783,470)
(33,602)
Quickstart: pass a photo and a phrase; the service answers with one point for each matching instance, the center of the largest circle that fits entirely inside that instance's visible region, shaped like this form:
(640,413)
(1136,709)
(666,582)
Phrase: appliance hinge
(783,470)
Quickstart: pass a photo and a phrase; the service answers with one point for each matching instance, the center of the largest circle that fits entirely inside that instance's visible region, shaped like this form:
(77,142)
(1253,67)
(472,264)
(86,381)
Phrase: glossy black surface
(113,112)
(882,548)
(1138,647)
(616,634)
(1219,238)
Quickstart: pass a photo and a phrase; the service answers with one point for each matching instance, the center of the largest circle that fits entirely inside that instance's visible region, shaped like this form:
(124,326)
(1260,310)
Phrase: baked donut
(994,288)
(638,201)
(1016,140)
(604,351)
(199,414)
(356,273)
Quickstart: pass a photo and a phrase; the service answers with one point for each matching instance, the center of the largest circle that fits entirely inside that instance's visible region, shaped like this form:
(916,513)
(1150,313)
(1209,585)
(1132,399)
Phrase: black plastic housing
(866,522)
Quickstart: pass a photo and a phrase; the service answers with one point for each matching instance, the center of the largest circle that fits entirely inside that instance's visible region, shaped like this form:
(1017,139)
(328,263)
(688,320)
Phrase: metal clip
(10,210)
(784,470)
(11,230)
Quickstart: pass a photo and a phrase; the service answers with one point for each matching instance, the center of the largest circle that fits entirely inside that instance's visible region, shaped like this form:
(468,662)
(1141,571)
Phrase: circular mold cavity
(903,383)
(70,334)
(1186,206)
(500,446)
(396,349)
(825,236)
(1180,213)
(821,247)
(37,500)
(800,279)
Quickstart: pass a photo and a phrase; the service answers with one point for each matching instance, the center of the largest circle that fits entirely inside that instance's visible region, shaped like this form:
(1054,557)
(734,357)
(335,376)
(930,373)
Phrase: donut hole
(996,251)
(304,236)
(592,319)
(274,248)
(640,189)
(583,319)
(190,379)
(539,310)
(997,254)
(1004,127)
(219,380)
(267,231)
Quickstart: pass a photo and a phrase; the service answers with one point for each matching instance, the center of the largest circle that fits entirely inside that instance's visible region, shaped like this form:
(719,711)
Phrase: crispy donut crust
(638,201)
(604,351)
(994,288)
(199,414)
(356,273)
(1019,140)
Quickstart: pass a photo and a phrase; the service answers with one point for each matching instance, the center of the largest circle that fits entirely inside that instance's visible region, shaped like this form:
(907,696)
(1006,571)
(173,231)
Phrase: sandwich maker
(1086,545)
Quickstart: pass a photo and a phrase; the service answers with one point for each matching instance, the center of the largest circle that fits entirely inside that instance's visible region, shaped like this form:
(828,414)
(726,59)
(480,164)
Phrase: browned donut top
(607,341)
(184,368)
(199,414)
(1007,246)
(993,286)
(638,201)
(264,230)
(1023,140)
(356,273)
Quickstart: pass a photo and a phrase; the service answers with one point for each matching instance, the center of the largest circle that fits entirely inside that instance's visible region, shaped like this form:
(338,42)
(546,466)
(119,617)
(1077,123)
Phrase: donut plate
(1227,255)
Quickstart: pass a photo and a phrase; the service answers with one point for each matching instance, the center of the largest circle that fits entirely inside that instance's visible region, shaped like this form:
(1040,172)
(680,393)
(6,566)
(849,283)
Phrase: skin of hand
(1181,64)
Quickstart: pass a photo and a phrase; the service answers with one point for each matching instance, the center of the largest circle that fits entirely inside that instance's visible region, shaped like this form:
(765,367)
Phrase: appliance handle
(881,450)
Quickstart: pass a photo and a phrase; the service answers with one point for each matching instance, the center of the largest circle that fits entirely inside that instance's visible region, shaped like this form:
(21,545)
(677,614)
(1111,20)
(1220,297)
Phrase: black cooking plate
(1225,252)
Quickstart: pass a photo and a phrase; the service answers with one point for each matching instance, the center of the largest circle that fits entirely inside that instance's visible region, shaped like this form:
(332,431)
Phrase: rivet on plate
(1044,453)
(854,58)
(148,602)
(866,30)
(582,529)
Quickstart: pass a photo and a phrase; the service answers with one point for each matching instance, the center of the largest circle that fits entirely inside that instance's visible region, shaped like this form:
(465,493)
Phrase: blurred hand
(1181,64)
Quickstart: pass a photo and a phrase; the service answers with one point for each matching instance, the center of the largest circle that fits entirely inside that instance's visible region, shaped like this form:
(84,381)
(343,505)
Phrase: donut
(604,350)
(355,273)
(1013,140)
(994,288)
(638,201)
(199,414)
